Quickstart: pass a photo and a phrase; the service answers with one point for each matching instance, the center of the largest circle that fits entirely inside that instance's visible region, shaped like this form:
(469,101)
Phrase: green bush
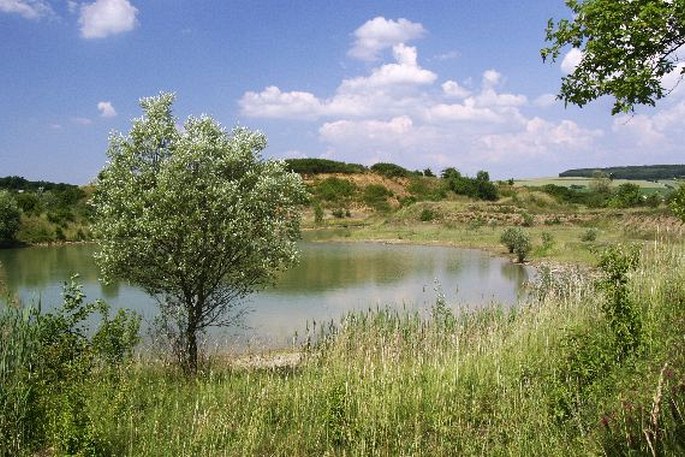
(45,359)
(10,217)
(427,215)
(35,230)
(517,242)
(308,166)
(676,202)
(522,246)
(390,170)
(509,237)
(626,195)
(620,310)
(334,189)
(318,214)
(527,220)
(427,189)
(547,241)
(479,187)
(376,196)
(589,235)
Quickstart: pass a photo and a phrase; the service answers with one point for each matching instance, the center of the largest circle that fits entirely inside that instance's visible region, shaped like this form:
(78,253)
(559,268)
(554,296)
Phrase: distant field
(584,182)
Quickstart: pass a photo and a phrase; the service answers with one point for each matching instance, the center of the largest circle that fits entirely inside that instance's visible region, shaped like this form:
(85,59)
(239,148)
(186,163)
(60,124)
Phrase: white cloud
(29,9)
(454,89)
(388,89)
(661,130)
(545,100)
(466,112)
(571,60)
(405,72)
(491,78)
(106,109)
(273,103)
(379,34)
(538,137)
(673,81)
(345,130)
(397,112)
(107,17)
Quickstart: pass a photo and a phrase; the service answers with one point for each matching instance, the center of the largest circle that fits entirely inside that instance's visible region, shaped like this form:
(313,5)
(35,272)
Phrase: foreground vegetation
(589,364)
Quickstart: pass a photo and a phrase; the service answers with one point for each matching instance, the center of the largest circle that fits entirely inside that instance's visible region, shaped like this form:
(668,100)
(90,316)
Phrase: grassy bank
(558,233)
(550,377)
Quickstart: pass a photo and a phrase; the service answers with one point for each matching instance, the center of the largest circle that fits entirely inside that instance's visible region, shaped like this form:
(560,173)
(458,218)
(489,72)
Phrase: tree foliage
(309,166)
(479,187)
(390,170)
(9,217)
(627,48)
(646,172)
(677,202)
(195,217)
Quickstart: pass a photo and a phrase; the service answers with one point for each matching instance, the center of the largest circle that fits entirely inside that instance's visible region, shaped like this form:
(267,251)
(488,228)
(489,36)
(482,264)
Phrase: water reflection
(331,280)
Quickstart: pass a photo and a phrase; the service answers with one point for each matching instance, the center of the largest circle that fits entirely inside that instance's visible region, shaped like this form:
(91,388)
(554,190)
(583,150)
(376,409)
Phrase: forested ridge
(647,172)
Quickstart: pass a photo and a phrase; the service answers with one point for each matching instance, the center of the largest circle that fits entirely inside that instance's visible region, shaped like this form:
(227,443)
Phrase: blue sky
(422,84)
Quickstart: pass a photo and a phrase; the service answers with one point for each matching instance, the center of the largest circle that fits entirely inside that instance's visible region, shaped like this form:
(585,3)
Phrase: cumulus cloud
(345,130)
(538,137)
(273,103)
(571,60)
(106,109)
(29,9)
(545,100)
(107,17)
(405,72)
(491,78)
(387,89)
(399,111)
(454,89)
(661,130)
(380,33)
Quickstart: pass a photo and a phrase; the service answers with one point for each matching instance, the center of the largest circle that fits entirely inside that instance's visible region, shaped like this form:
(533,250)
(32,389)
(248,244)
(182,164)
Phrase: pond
(331,280)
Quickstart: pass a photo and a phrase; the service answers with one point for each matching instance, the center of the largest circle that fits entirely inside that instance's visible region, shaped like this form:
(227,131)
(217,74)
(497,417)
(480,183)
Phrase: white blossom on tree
(195,217)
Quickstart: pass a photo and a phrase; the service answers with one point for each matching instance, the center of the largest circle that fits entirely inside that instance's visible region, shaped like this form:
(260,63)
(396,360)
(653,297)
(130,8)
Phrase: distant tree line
(645,172)
(309,166)
(320,166)
(45,211)
(17,183)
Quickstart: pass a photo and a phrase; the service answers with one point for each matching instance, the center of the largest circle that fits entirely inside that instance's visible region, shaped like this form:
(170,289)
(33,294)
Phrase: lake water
(331,280)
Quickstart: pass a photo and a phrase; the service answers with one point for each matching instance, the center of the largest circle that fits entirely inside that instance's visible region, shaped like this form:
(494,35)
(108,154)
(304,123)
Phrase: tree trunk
(190,350)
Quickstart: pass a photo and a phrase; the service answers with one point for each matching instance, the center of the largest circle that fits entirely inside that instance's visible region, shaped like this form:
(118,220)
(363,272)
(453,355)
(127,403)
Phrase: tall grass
(542,378)
(17,344)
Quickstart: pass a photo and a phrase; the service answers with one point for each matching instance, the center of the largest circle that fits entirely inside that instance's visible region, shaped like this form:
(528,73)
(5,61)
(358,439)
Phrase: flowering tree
(195,217)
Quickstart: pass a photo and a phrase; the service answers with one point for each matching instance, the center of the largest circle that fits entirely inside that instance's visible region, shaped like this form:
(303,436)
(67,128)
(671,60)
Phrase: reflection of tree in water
(337,266)
(37,267)
(110,290)
(3,278)
(516,274)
